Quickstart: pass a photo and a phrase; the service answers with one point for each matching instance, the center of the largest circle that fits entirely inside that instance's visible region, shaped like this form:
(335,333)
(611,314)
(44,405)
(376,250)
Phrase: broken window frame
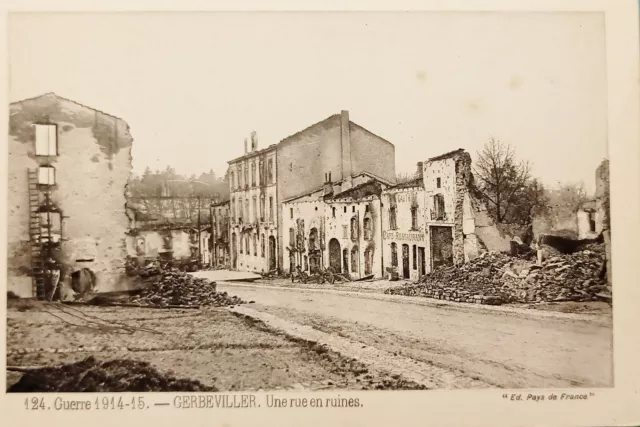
(261,208)
(292,237)
(368,229)
(353,225)
(270,208)
(414,218)
(355,259)
(253,174)
(46,139)
(438,183)
(254,217)
(394,254)
(439,208)
(333,212)
(255,245)
(46,175)
(393,220)
(591,217)
(262,245)
(270,171)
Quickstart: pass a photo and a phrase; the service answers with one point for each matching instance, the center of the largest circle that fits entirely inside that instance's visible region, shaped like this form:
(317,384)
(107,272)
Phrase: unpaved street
(503,349)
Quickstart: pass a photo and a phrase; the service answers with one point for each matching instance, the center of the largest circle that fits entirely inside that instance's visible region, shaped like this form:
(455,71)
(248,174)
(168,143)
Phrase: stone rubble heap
(175,288)
(90,375)
(495,278)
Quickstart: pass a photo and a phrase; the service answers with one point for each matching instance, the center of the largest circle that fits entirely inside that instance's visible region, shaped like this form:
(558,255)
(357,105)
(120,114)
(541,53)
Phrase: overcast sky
(193,86)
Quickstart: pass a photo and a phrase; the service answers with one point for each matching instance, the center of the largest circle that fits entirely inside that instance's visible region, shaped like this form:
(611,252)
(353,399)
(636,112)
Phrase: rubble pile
(175,288)
(496,278)
(90,375)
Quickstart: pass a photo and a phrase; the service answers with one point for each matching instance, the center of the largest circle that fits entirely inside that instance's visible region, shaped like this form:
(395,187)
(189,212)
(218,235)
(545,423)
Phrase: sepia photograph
(308,201)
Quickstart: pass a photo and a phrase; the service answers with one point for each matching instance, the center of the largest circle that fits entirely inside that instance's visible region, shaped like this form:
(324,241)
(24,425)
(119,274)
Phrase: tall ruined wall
(302,161)
(370,153)
(92,171)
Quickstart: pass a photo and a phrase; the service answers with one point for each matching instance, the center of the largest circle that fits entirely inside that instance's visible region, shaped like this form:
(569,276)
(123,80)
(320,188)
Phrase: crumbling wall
(603,203)
(92,170)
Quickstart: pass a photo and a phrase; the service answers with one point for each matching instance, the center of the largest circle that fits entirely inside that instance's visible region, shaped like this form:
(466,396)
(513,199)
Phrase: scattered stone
(496,278)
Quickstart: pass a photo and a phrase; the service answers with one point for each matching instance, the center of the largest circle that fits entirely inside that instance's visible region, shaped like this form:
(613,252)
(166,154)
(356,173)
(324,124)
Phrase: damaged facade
(169,228)
(374,228)
(436,219)
(253,209)
(69,165)
(220,224)
(334,148)
(336,228)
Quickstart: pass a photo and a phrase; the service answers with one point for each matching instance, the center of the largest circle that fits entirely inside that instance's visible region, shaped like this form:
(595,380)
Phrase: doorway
(421,261)
(234,251)
(272,253)
(441,247)
(405,261)
(334,255)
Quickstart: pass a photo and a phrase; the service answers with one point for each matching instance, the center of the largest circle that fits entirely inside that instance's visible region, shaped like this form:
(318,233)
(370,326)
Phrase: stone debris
(175,288)
(496,278)
(90,375)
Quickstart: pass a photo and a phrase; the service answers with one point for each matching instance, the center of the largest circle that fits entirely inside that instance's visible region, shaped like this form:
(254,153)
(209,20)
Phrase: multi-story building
(404,236)
(333,148)
(69,165)
(253,209)
(437,219)
(220,234)
(336,228)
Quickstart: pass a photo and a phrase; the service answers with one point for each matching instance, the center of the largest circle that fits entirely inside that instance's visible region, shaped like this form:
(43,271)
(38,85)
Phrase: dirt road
(504,349)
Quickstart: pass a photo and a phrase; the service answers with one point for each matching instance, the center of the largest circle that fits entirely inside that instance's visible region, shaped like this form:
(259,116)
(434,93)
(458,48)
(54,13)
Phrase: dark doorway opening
(441,246)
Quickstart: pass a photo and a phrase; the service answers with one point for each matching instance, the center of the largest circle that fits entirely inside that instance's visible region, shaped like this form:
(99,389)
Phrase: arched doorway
(234,250)
(345,260)
(272,253)
(405,261)
(368,261)
(355,261)
(334,255)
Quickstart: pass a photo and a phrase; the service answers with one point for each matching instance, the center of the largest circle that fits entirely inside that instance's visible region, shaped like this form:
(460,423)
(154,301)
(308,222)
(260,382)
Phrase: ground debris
(171,288)
(496,278)
(90,375)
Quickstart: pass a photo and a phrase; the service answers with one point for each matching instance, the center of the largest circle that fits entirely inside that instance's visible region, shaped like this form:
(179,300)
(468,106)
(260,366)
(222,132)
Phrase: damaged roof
(372,187)
(54,95)
(447,155)
(416,182)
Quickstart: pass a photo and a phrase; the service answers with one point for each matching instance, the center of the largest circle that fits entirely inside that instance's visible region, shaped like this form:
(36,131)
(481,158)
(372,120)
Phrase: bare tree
(501,178)
(403,177)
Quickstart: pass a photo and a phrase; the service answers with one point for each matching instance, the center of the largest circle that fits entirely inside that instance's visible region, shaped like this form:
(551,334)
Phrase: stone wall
(92,170)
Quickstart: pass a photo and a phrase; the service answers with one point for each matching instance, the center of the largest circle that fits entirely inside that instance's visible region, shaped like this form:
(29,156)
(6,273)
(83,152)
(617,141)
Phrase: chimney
(345,142)
(419,170)
(245,146)
(254,141)
(328,185)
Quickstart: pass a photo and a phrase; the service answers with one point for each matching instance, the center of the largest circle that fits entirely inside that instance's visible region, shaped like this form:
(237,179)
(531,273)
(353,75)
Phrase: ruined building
(69,165)
(333,149)
(220,215)
(170,227)
(336,227)
(436,219)
(253,208)
(375,228)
